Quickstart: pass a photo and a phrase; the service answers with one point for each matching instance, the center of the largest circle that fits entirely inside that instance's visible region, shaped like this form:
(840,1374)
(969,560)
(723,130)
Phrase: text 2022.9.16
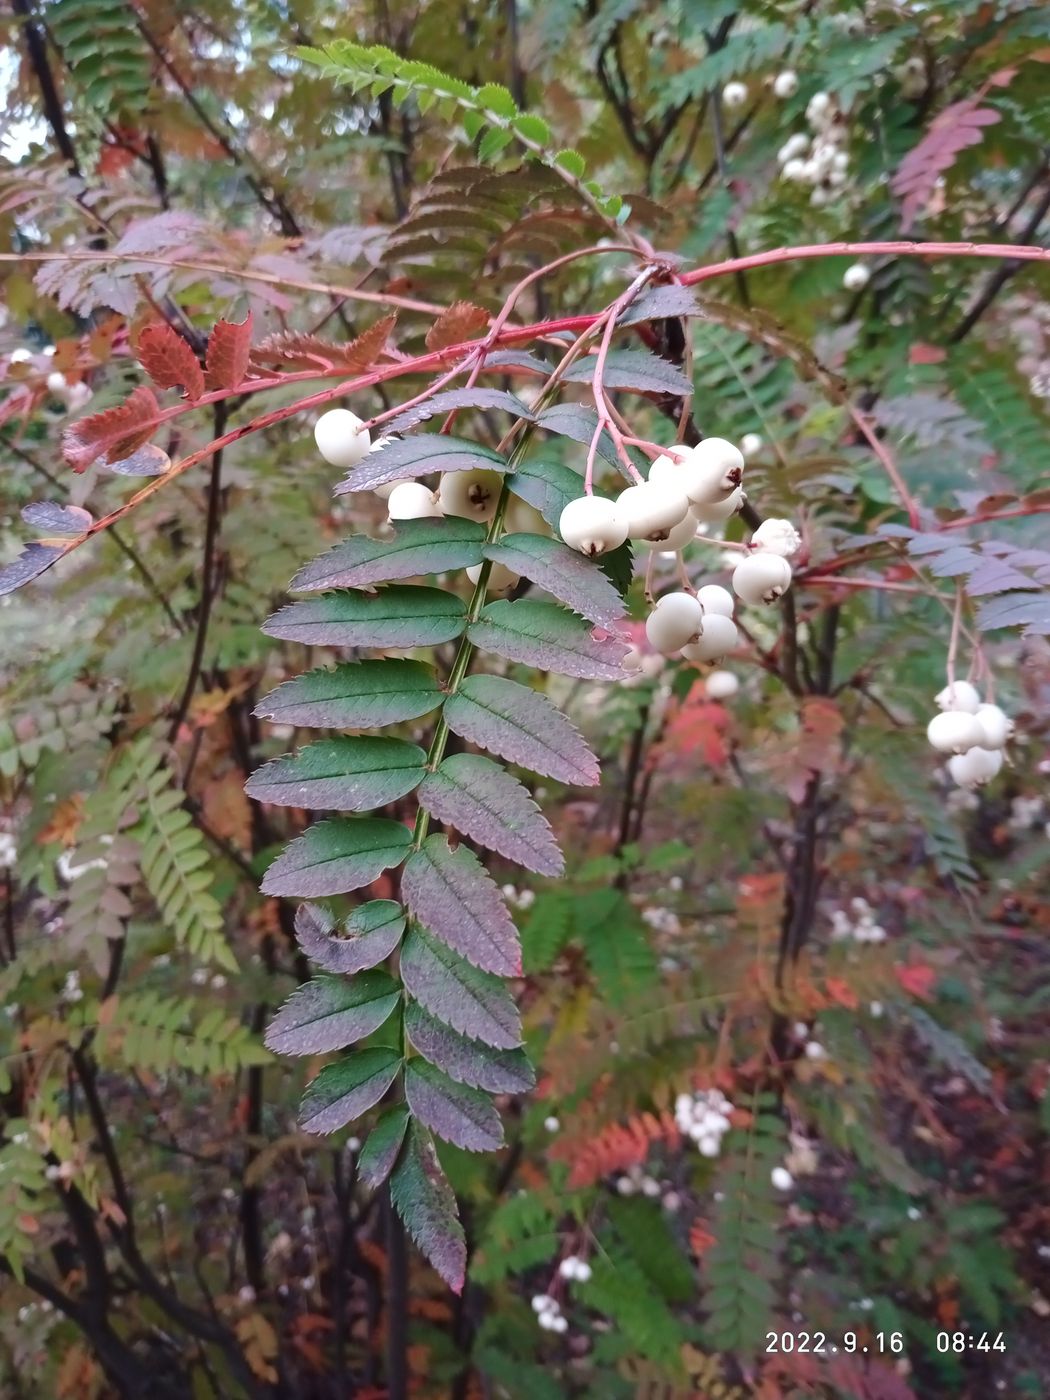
(819,1343)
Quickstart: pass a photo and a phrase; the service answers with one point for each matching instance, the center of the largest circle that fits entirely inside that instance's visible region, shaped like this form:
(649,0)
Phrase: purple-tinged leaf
(521,726)
(380,1152)
(659,303)
(371,933)
(330,1013)
(424,1200)
(335,857)
(403,615)
(468,1061)
(488,804)
(415,456)
(346,1089)
(147,460)
(470,1001)
(1028,610)
(573,420)
(454,898)
(416,547)
(517,359)
(545,636)
(345,775)
(356,695)
(632,369)
(56,519)
(448,399)
(548,486)
(34,560)
(563,572)
(457,1113)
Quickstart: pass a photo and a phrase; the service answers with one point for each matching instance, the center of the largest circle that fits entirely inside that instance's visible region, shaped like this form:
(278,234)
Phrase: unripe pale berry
(761,578)
(734,95)
(56,381)
(713,470)
(678,536)
(674,622)
(652,509)
(501,579)
(959,695)
(387,489)
(721,685)
(717,511)
(792,147)
(856,278)
(778,537)
(718,637)
(996,726)
(785,84)
(412,501)
(818,109)
(781,1178)
(819,197)
(975,767)
(713,598)
(795,169)
(954,731)
(666,470)
(592,524)
(471,494)
(751,444)
(339,437)
(632,660)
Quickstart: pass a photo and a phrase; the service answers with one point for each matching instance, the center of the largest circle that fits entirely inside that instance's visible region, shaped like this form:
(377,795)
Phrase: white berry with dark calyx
(761,578)
(341,439)
(721,685)
(785,84)
(387,488)
(778,537)
(652,509)
(712,471)
(856,278)
(677,537)
(412,501)
(713,598)
(592,525)
(674,622)
(501,580)
(975,767)
(996,726)
(958,695)
(734,95)
(718,638)
(473,495)
(954,731)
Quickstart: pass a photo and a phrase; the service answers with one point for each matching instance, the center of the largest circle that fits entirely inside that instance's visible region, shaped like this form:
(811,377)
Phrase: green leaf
(533,128)
(495,140)
(380,1152)
(473,1002)
(571,162)
(403,615)
(416,547)
(468,1061)
(631,369)
(521,726)
(411,457)
(330,1013)
(424,1200)
(573,420)
(547,637)
(370,934)
(334,857)
(357,695)
(347,775)
(488,804)
(457,1113)
(561,571)
(454,898)
(346,1089)
(493,97)
(549,486)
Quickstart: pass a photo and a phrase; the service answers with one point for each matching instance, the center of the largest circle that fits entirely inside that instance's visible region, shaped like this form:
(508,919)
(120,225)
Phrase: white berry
(501,579)
(713,598)
(796,169)
(674,622)
(652,509)
(785,84)
(471,494)
(751,444)
(794,146)
(718,637)
(761,578)
(856,278)
(996,726)
(959,695)
(677,537)
(591,525)
(714,512)
(818,109)
(721,685)
(778,537)
(712,471)
(954,731)
(734,95)
(56,381)
(340,438)
(975,767)
(412,501)
(781,1178)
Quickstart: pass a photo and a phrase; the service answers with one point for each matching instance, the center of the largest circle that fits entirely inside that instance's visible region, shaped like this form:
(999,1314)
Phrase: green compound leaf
(454,898)
(468,1061)
(379,1153)
(369,935)
(546,636)
(346,1089)
(488,804)
(561,571)
(548,486)
(335,857)
(403,615)
(425,1202)
(347,775)
(473,1002)
(632,369)
(407,458)
(416,547)
(457,1113)
(521,726)
(330,1013)
(573,420)
(357,695)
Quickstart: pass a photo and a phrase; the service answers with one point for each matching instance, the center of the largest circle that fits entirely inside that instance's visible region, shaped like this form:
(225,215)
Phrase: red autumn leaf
(917,979)
(923,354)
(226,360)
(462,321)
(169,360)
(697,726)
(303,351)
(841,993)
(113,434)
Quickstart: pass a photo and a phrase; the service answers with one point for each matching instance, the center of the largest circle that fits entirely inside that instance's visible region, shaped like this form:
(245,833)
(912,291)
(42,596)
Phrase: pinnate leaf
(488,804)
(346,1089)
(416,456)
(476,397)
(470,1001)
(169,360)
(370,933)
(454,898)
(356,695)
(334,857)
(549,638)
(34,560)
(416,547)
(549,486)
(380,1152)
(659,303)
(330,1013)
(575,421)
(521,726)
(346,775)
(302,351)
(112,434)
(633,369)
(425,1202)
(953,129)
(459,322)
(561,571)
(229,348)
(57,519)
(399,616)
(466,1060)
(456,1112)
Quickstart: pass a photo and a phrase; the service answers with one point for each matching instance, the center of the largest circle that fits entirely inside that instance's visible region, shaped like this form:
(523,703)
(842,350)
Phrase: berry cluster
(859,924)
(549,1314)
(819,159)
(704,1117)
(975,734)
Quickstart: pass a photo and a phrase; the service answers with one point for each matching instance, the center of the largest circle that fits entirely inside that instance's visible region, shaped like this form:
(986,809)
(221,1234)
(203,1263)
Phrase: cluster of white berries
(520,899)
(974,733)
(636,1179)
(74,396)
(818,160)
(704,1117)
(71,989)
(859,924)
(549,1314)
(573,1267)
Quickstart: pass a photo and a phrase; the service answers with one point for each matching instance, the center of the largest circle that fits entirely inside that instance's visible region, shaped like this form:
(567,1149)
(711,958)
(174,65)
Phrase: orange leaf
(842,993)
(309,351)
(917,979)
(113,434)
(169,360)
(226,360)
(462,321)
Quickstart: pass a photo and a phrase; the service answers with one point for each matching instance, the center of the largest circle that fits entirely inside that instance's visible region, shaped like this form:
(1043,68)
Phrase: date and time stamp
(878,1343)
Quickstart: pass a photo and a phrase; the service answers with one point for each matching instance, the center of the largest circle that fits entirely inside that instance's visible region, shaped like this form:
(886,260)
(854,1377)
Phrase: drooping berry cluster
(975,734)
(705,1118)
(820,159)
